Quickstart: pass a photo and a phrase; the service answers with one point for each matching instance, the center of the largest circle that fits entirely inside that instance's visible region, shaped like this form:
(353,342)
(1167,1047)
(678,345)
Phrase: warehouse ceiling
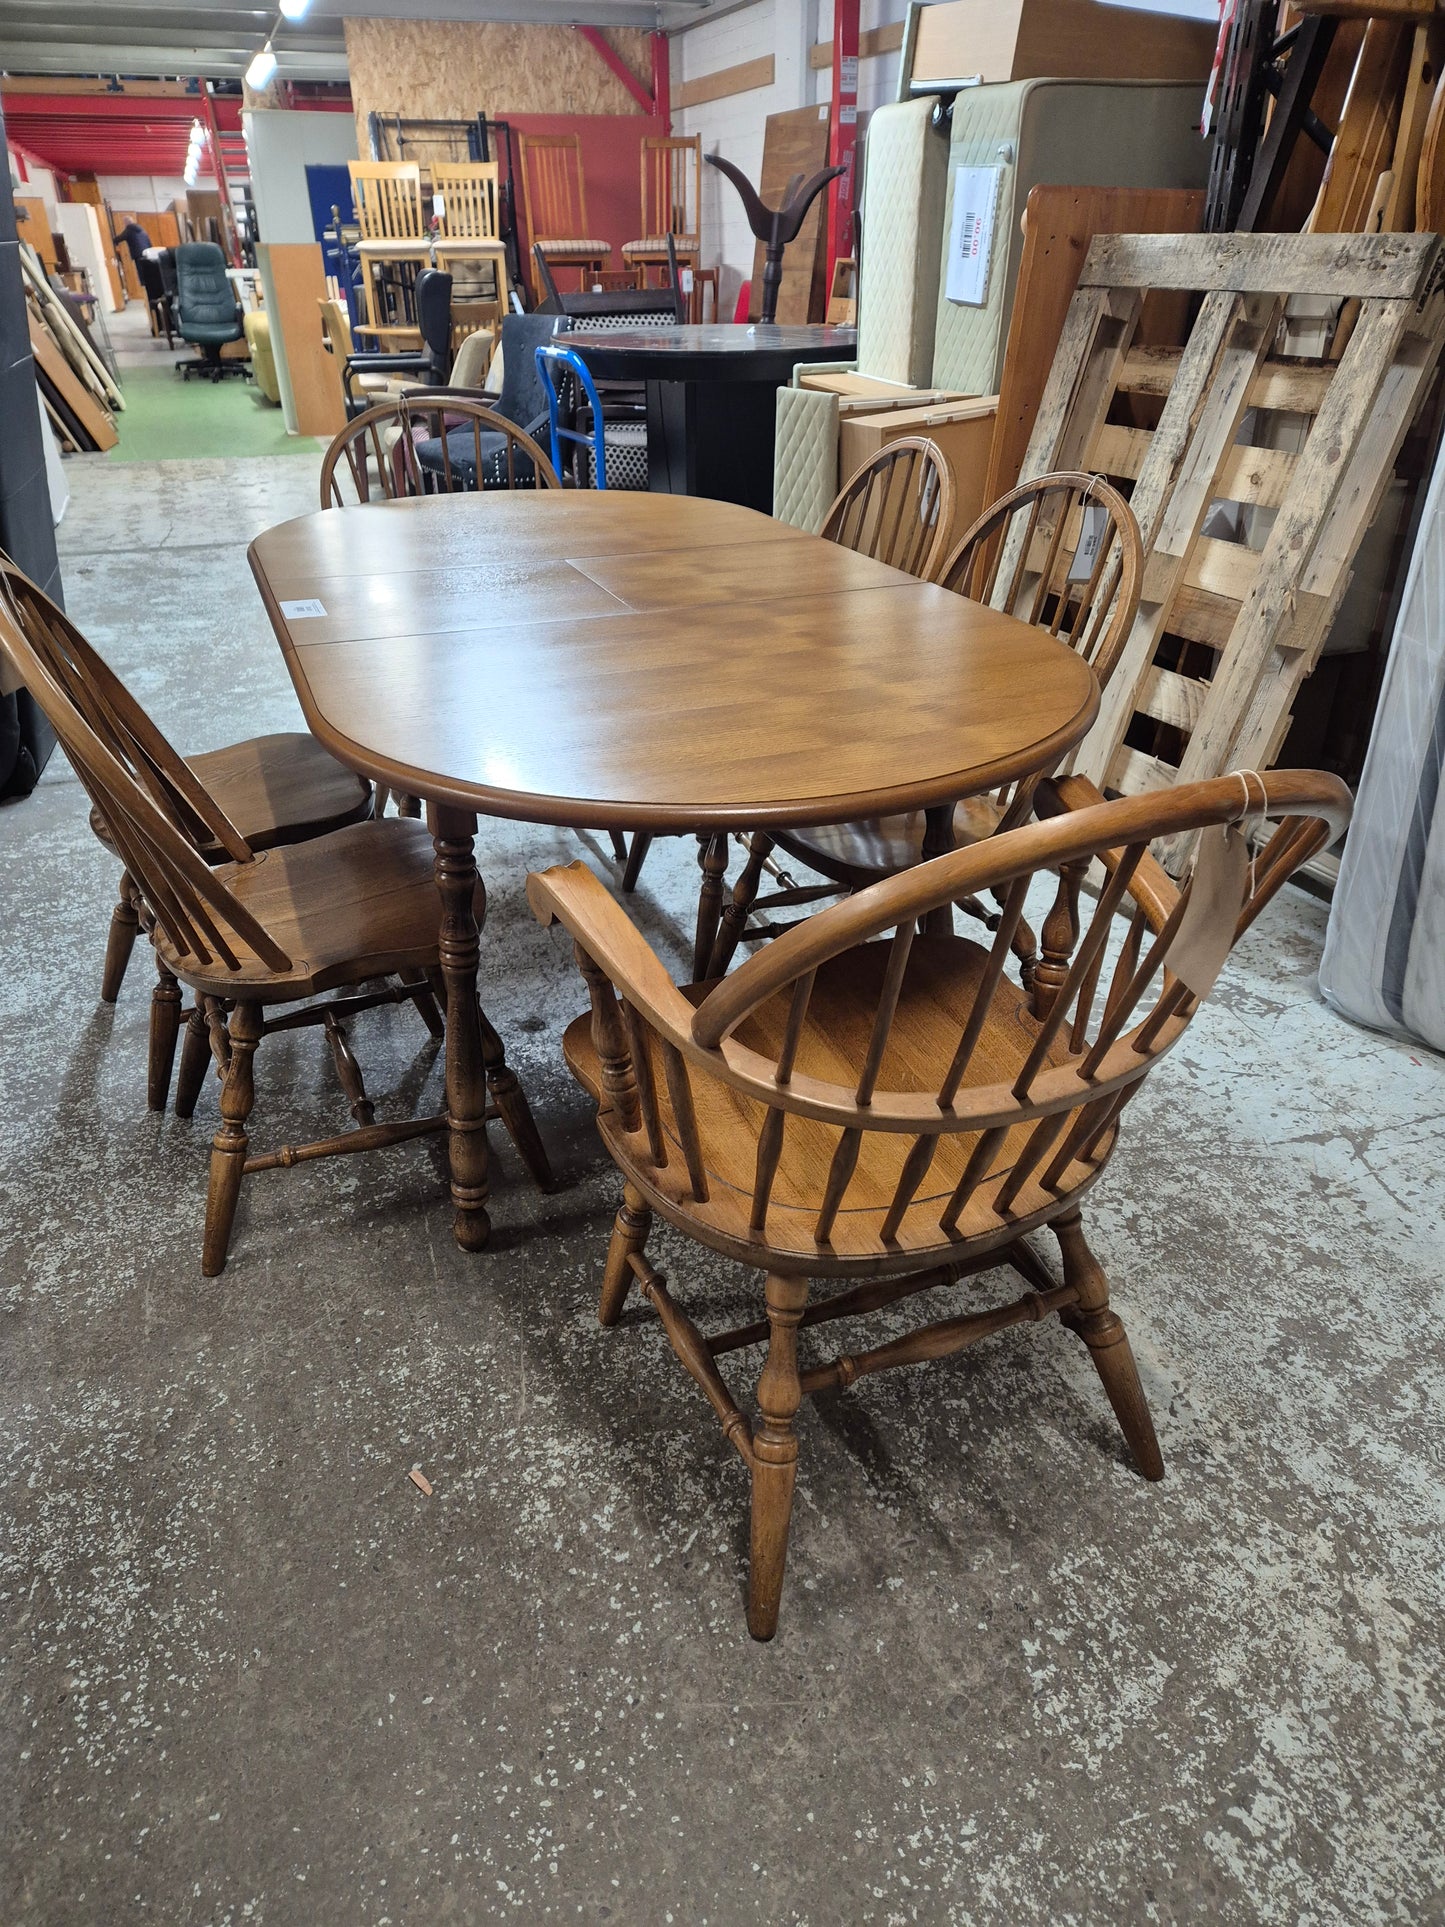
(162,40)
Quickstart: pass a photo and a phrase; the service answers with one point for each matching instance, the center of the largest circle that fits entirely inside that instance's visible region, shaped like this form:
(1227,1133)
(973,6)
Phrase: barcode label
(970,252)
(1091,536)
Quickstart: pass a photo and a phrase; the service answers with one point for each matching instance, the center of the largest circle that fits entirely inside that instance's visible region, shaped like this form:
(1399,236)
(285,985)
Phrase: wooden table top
(606,660)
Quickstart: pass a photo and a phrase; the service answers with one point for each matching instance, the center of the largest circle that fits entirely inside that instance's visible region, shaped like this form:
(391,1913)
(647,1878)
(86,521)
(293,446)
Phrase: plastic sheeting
(1384,961)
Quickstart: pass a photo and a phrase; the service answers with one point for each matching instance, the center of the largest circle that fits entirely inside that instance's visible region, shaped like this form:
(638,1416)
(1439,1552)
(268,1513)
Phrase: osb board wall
(454,69)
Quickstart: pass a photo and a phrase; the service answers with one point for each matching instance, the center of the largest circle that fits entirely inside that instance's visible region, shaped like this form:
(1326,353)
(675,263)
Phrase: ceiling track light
(295,9)
(262,70)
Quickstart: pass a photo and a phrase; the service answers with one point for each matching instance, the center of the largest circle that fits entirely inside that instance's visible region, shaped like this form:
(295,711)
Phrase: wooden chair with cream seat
(556,194)
(671,204)
(267,791)
(264,929)
(1062,552)
(898,508)
(887,1113)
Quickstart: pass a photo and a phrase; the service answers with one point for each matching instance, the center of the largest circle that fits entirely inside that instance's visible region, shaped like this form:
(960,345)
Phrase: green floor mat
(167,418)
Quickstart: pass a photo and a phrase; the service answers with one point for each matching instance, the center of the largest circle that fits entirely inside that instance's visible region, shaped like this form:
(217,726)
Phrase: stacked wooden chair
(889,1113)
(1075,569)
(557,205)
(255,929)
(671,205)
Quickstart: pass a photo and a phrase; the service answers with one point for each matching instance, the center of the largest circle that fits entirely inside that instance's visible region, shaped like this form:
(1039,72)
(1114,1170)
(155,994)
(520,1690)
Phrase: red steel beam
(843,131)
(609,56)
(662,80)
(218,162)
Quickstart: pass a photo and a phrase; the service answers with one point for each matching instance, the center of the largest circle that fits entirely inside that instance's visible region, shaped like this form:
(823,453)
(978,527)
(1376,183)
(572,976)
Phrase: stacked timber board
(79,391)
(1230,624)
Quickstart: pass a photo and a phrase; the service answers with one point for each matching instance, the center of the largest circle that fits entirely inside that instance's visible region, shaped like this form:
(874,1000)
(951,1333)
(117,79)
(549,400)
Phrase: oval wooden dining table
(607,660)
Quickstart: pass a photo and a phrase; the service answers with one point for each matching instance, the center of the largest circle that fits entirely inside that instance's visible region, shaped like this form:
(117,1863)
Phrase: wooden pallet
(1228,629)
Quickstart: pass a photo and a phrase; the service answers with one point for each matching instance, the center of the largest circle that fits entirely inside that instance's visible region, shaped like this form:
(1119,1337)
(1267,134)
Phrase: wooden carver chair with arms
(1062,552)
(890,1112)
(267,791)
(277,927)
(897,507)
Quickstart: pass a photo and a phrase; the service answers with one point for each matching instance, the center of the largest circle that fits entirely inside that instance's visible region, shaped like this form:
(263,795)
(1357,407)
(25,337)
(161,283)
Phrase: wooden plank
(1425,53)
(1345,417)
(1287,386)
(64,381)
(723,83)
(1222,568)
(1248,474)
(299,284)
(871,42)
(1176,486)
(1336,265)
(794,143)
(1131,772)
(1202,616)
(1173,699)
(1059,223)
(1365,139)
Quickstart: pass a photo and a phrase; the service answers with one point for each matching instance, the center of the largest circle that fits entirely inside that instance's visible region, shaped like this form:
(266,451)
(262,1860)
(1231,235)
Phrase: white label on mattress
(306,606)
(970,243)
(1096,520)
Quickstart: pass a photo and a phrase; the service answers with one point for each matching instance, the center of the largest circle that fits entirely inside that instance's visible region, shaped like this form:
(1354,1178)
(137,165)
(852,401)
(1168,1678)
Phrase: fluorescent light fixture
(295,9)
(262,70)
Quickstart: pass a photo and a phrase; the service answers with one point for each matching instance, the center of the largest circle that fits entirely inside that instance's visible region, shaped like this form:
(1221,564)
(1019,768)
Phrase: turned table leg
(459,888)
(938,841)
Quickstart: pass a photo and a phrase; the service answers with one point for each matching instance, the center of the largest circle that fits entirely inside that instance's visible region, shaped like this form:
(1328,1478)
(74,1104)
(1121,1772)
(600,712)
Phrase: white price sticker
(1091,535)
(970,241)
(306,606)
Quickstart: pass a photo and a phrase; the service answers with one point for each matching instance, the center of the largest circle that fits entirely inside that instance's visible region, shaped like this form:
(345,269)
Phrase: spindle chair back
(468,191)
(340,911)
(862,1101)
(374,458)
(388,200)
(555,187)
(897,508)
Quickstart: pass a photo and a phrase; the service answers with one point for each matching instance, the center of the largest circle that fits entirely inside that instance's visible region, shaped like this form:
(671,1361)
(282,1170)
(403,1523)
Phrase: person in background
(135,238)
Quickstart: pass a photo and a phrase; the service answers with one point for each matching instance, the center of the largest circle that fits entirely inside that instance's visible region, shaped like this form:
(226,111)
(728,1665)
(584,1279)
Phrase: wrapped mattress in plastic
(1384,961)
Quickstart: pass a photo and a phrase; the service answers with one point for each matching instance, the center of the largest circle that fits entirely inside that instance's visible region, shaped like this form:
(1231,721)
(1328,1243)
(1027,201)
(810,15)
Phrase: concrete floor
(251,1674)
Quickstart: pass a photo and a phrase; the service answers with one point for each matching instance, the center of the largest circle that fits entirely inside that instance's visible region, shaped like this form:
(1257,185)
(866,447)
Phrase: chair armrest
(1151,884)
(572,896)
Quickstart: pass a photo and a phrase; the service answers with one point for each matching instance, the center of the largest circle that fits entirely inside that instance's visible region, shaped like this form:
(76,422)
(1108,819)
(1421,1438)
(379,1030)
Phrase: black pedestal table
(711,398)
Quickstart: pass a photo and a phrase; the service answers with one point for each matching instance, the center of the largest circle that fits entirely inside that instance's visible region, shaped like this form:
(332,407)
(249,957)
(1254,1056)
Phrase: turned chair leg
(124,929)
(629,1234)
(636,857)
(511,1102)
(195,1060)
(712,858)
(230,1144)
(1102,1330)
(165,1028)
(423,996)
(619,846)
(775,1454)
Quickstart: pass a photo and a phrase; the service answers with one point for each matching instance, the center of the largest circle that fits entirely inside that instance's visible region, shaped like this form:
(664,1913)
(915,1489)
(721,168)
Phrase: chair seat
(358,903)
(657,244)
(938,994)
(574,247)
(276,789)
(880,846)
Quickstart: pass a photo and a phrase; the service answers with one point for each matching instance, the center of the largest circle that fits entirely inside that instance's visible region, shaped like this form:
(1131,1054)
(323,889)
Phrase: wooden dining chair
(1062,552)
(266,791)
(897,508)
(388,199)
(280,927)
(429,442)
(887,1113)
(556,192)
(671,203)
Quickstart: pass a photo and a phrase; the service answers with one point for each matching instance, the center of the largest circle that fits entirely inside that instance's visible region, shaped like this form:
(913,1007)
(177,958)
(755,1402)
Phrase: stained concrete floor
(251,1674)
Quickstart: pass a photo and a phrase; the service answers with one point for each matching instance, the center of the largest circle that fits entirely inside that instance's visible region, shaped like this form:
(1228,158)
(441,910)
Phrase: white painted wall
(129,192)
(282,144)
(79,222)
